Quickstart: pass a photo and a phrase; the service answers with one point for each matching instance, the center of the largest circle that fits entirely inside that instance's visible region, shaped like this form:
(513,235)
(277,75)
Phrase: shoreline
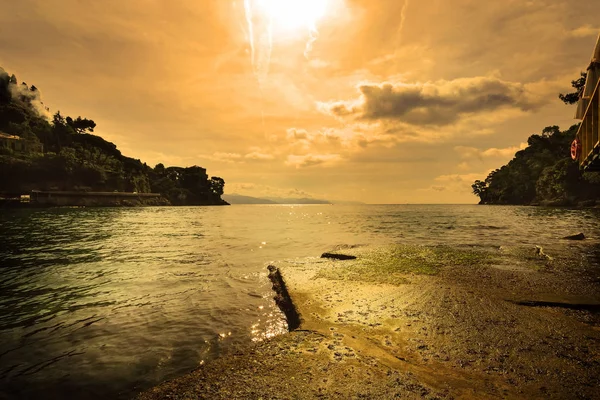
(419,322)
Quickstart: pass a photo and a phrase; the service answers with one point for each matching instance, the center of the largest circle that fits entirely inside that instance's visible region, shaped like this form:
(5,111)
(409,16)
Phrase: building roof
(7,136)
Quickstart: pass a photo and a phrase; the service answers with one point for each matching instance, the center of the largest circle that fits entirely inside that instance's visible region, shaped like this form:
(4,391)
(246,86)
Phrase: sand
(420,322)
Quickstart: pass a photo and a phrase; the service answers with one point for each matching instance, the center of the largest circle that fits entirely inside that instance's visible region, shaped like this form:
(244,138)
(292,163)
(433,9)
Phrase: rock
(579,236)
(338,256)
(282,298)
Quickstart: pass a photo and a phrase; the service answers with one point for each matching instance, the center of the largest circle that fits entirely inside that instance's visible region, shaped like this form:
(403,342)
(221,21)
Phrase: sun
(294,14)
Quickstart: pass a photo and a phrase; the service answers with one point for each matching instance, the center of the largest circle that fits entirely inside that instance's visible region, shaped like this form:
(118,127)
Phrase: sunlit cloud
(317,63)
(262,190)
(460,183)
(449,178)
(268,19)
(585,31)
(223,157)
(467,152)
(258,156)
(311,160)
(463,166)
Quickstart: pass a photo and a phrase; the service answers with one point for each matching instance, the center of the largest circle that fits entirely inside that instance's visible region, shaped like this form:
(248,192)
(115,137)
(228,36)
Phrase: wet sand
(420,322)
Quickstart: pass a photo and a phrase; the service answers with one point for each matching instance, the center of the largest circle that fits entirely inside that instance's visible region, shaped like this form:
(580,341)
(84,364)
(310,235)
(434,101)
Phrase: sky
(379,101)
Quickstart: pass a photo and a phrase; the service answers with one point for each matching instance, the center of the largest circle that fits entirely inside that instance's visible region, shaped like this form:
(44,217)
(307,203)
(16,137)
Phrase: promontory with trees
(543,173)
(60,153)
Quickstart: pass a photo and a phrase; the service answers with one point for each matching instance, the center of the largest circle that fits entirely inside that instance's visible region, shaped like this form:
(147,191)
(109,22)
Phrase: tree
(559,181)
(578,85)
(480,189)
(58,119)
(81,125)
(541,173)
(5,95)
(159,169)
(217,185)
(550,131)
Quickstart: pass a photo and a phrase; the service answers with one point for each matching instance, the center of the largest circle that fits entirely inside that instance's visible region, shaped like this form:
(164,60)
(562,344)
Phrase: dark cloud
(439,103)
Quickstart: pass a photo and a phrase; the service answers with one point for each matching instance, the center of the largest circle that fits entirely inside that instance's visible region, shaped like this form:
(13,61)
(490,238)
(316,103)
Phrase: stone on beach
(338,256)
(579,236)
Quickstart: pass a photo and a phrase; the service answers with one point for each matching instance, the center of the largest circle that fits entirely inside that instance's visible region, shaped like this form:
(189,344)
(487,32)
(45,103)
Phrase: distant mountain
(240,199)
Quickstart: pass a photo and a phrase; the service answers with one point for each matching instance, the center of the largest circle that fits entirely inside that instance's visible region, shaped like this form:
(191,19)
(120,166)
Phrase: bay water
(105,302)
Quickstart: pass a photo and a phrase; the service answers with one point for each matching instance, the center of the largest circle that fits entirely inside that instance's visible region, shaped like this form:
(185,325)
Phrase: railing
(588,134)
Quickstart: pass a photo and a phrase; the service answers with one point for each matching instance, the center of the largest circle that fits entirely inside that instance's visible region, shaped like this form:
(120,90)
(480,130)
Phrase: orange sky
(375,110)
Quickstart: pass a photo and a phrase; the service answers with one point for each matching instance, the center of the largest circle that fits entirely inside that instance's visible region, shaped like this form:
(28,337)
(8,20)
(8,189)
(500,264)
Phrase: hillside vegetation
(543,173)
(61,153)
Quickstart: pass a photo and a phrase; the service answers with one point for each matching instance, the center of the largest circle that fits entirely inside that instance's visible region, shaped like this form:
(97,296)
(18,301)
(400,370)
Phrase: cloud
(320,140)
(224,157)
(255,154)
(296,134)
(585,31)
(299,193)
(258,156)
(449,178)
(467,152)
(158,157)
(437,103)
(460,183)
(463,166)
(493,152)
(311,160)
(318,63)
(506,152)
(245,186)
(258,190)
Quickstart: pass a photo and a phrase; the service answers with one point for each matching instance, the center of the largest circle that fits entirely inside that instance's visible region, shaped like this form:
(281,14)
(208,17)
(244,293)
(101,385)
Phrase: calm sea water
(101,303)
